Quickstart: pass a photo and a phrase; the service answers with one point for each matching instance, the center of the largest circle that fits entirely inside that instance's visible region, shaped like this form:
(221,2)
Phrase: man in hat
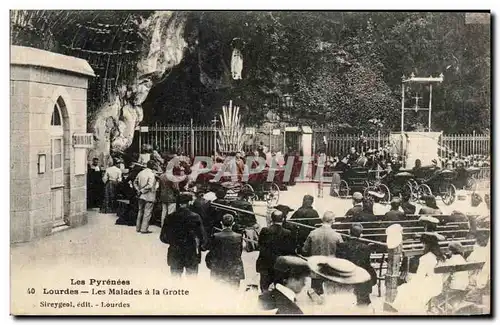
(274,241)
(285,209)
(292,272)
(201,206)
(224,257)
(186,236)
(359,253)
(306,211)
(394,214)
(344,274)
(357,210)
(322,241)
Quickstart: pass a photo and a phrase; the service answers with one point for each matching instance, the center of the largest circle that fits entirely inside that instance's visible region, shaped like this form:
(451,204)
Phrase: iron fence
(202,140)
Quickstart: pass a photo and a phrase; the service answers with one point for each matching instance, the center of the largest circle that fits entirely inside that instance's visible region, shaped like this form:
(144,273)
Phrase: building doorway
(57,165)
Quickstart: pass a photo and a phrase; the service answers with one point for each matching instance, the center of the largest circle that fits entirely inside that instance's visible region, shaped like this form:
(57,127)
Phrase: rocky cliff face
(114,122)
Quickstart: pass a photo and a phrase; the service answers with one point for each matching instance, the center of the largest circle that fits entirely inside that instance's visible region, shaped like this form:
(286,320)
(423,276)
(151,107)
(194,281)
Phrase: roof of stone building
(22,55)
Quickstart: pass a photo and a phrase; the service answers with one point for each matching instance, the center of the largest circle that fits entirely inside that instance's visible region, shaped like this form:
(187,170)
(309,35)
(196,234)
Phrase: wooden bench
(453,228)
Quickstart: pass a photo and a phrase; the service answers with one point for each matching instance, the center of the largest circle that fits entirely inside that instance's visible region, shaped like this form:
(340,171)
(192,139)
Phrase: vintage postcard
(250,162)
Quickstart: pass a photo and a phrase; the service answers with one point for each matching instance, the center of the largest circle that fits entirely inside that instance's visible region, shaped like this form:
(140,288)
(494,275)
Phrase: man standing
(357,210)
(274,241)
(359,253)
(291,279)
(224,258)
(95,185)
(186,236)
(322,241)
(394,214)
(169,190)
(145,184)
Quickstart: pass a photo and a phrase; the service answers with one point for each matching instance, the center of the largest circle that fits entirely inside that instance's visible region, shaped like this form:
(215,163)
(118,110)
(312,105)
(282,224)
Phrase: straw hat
(376,194)
(429,219)
(338,270)
(394,236)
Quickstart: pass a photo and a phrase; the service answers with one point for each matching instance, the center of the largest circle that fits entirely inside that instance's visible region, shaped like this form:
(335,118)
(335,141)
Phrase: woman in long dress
(112,177)
(412,297)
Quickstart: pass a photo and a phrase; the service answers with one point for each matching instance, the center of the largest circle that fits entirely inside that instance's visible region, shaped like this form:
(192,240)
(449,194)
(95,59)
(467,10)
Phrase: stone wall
(34,92)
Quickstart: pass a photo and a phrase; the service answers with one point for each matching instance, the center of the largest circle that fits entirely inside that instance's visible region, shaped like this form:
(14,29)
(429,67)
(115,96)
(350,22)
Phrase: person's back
(306,211)
(359,253)
(394,214)
(244,219)
(323,240)
(224,258)
(357,210)
(184,228)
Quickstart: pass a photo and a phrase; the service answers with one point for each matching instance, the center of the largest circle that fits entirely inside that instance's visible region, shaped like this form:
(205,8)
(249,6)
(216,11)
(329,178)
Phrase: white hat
(210,196)
(376,194)
(394,236)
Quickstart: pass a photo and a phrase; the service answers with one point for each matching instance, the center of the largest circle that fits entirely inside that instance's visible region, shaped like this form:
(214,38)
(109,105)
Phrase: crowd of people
(205,220)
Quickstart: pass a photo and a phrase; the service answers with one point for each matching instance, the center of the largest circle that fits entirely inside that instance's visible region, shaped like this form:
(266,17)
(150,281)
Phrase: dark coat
(243,220)
(216,213)
(274,241)
(408,208)
(185,235)
(224,258)
(394,215)
(305,212)
(358,253)
(202,208)
(275,299)
(355,211)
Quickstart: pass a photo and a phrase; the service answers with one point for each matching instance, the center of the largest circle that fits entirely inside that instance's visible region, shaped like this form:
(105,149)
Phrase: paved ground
(103,250)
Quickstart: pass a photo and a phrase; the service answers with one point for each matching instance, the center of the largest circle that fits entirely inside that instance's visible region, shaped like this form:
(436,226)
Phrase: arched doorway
(57,166)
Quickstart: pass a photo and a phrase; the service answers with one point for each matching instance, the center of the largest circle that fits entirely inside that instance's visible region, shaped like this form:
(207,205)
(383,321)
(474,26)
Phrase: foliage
(342,68)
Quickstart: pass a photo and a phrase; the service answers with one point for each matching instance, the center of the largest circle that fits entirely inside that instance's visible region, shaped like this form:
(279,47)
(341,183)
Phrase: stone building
(49,142)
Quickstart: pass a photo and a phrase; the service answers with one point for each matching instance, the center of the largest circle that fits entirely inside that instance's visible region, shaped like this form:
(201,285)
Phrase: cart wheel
(414,185)
(249,188)
(423,190)
(343,189)
(408,191)
(382,188)
(449,195)
(274,195)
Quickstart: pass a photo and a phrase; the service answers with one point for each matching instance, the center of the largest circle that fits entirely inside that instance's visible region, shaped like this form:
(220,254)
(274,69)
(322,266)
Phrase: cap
(338,270)
(283,208)
(292,265)
(396,200)
(357,196)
